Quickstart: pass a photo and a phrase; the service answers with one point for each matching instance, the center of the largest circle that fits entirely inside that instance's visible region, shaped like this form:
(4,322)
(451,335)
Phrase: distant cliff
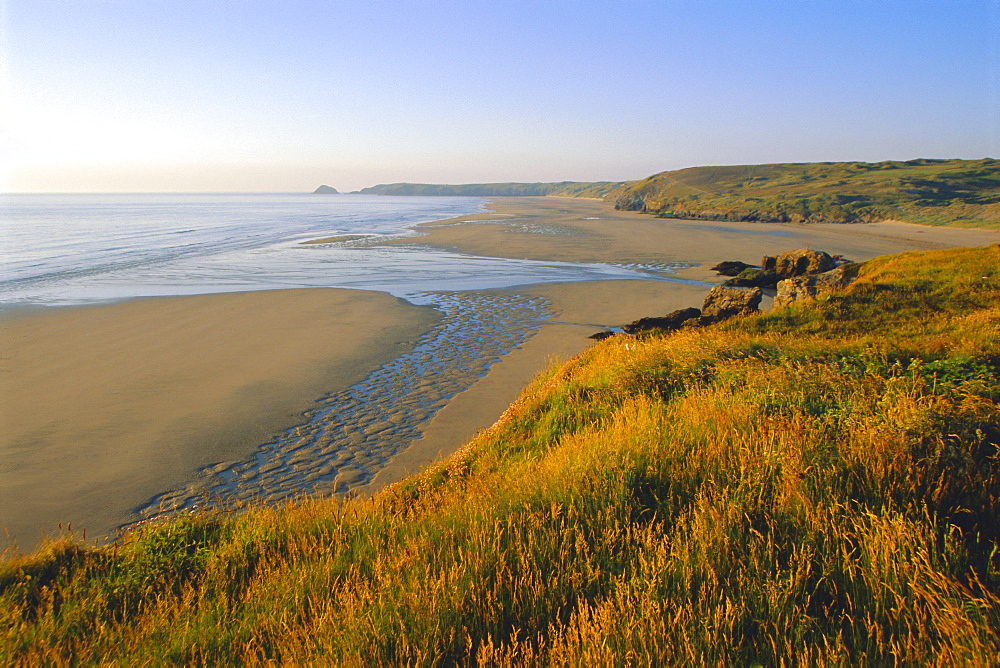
(930,192)
(963,193)
(325,190)
(563,188)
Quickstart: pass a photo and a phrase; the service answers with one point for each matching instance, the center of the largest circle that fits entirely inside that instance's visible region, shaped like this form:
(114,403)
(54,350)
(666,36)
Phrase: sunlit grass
(814,486)
(963,193)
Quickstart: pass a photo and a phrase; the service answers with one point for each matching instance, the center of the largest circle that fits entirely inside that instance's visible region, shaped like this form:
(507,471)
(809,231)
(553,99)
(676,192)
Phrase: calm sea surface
(73,249)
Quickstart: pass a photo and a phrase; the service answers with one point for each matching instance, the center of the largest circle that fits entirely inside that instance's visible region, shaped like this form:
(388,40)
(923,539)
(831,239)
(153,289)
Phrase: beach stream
(350,435)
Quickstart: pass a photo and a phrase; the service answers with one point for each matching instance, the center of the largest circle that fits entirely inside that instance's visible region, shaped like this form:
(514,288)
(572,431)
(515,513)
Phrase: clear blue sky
(267,95)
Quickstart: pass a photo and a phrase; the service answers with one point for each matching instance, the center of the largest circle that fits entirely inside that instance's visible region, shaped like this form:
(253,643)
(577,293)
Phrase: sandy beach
(586,230)
(105,406)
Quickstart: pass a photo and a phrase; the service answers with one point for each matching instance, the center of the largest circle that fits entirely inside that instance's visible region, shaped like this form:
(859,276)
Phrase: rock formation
(325,190)
(731,267)
(798,263)
(671,321)
(803,288)
(754,278)
(726,302)
(797,275)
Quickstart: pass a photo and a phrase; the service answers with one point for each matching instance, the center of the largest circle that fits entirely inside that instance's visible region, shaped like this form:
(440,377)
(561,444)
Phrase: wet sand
(579,310)
(105,406)
(350,435)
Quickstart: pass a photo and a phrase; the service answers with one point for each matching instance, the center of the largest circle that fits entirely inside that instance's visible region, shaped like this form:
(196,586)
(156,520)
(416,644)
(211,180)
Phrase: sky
(282,96)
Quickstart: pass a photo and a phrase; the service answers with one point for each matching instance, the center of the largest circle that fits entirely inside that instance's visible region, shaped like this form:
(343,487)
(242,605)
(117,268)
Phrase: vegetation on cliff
(924,191)
(931,192)
(563,189)
(816,485)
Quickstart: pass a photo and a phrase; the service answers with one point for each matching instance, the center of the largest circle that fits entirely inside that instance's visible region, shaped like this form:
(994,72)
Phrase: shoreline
(106,406)
(597,305)
(111,354)
(583,230)
(580,308)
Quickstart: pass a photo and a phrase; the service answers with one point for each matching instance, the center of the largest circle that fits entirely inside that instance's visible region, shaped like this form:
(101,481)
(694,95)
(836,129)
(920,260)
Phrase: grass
(815,486)
(964,193)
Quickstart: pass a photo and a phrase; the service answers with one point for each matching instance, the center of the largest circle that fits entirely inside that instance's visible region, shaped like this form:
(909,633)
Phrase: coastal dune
(105,406)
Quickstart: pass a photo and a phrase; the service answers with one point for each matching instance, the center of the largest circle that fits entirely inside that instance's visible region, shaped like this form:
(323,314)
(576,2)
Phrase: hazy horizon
(117,96)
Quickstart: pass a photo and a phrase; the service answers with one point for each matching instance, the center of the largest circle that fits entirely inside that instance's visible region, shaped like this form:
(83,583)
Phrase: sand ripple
(353,434)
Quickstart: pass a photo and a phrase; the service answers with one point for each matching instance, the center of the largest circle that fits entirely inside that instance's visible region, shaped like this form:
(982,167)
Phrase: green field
(818,485)
(929,192)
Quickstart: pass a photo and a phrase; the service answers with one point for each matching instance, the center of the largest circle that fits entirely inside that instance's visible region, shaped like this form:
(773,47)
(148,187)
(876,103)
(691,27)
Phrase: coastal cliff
(933,192)
(562,188)
(963,193)
(821,482)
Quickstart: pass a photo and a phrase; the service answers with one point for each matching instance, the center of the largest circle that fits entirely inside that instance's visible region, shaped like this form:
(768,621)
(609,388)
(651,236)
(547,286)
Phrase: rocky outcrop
(724,302)
(789,264)
(754,278)
(325,190)
(721,304)
(799,262)
(669,322)
(797,275)
(731,267)
(804,288)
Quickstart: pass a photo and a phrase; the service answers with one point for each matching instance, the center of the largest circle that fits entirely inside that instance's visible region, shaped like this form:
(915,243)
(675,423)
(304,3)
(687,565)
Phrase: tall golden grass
(815,486)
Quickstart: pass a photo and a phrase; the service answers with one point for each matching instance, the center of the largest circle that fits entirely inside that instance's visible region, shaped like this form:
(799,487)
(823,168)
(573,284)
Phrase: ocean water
(77,249)
(74,249)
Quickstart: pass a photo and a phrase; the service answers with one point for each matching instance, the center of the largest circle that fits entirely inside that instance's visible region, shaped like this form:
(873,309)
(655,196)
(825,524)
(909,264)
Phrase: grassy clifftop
(931,192)
(819,484)
(563,188)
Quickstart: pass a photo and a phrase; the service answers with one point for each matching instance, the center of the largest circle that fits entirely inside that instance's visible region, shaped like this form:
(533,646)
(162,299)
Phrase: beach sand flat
(584,230)
(105,406)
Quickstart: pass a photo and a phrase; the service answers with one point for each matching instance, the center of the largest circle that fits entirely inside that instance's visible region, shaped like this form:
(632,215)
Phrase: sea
(65,249)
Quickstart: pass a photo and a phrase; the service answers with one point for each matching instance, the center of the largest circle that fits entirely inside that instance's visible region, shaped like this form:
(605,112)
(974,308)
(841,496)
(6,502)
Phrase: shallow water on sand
(351,435)
(76,249)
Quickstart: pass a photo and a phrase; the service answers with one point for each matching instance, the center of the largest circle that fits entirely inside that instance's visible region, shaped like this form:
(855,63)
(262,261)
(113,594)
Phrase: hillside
(818,485)
(930,192)
(563,188)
